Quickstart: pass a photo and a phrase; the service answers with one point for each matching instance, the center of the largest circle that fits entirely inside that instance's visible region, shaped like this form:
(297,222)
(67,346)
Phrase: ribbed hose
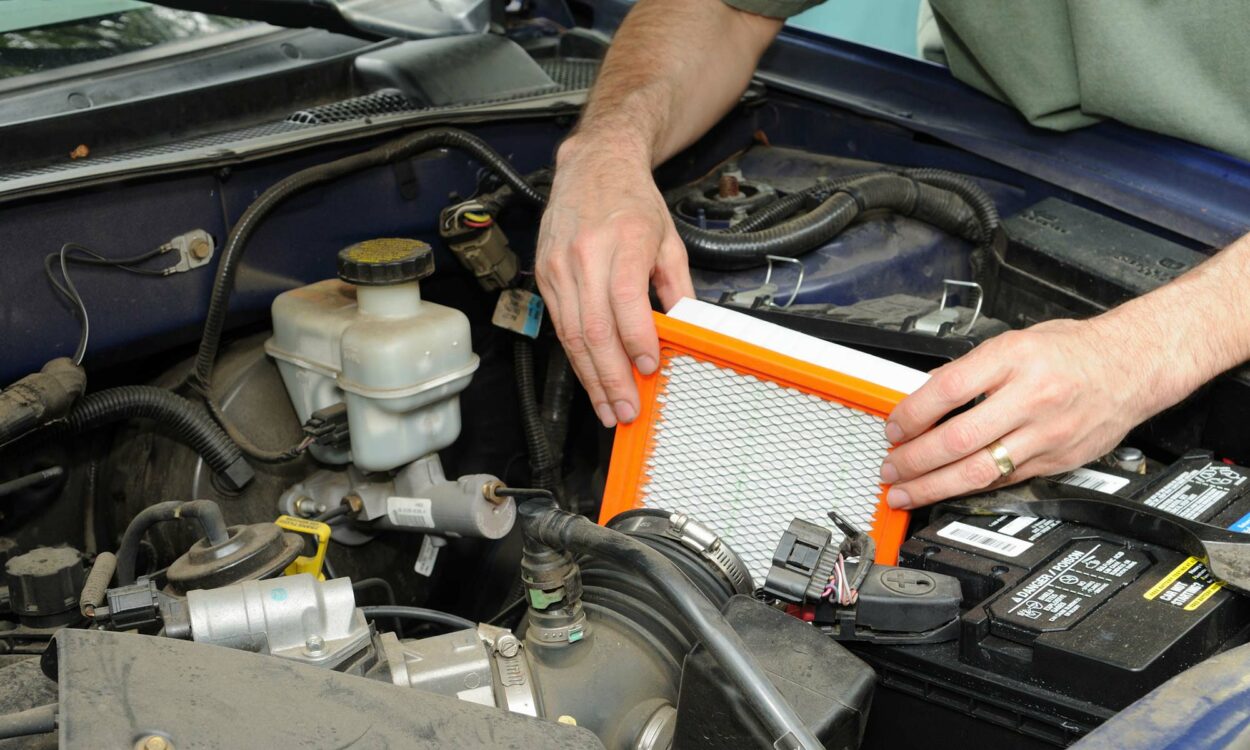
(97,584)
(400,148)
(977,199)
(902,195)
(206,512)
(564,531)
(531,418)
(188,423)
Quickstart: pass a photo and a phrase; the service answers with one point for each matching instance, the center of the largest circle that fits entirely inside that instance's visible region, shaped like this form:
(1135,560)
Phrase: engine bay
(319,473)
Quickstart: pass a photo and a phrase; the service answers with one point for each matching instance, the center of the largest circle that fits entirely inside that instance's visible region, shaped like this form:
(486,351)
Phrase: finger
(672,272)
(601,342)
(562,306)
(961,436)
(951,385)
(631,307)
(969,474)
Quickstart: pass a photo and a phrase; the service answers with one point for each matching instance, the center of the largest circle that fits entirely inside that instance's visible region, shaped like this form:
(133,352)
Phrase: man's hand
(1057,395)
(606,234)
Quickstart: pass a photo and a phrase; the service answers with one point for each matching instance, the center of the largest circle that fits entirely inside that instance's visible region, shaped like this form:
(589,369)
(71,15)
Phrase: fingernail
(605,415)
(893,432)
(897,499)
(625,411)
(645,364)
(889,474)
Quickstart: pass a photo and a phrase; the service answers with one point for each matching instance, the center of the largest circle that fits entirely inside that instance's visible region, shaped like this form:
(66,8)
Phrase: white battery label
(413,512)
(1099,481)
(991,541)
(1192,493)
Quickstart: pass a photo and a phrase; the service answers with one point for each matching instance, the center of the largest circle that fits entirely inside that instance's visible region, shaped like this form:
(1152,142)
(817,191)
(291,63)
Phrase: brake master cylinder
(368,340)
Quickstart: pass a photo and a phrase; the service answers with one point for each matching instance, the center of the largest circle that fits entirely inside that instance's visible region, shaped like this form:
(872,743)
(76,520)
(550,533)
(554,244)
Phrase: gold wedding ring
(1001,457)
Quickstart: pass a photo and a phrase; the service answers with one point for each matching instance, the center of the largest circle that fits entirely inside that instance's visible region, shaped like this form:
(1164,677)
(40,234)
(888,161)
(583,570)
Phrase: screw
(200,249)
(507,645)
(315,644)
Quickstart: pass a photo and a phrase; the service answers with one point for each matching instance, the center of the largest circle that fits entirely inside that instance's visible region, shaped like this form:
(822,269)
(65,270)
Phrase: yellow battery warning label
(1187,586)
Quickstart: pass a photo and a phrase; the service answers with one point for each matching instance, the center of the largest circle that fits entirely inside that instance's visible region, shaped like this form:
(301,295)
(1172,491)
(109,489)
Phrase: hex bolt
(306,507)
(355,503)
(315,644)
(200,249)
(490,491)
(507,645)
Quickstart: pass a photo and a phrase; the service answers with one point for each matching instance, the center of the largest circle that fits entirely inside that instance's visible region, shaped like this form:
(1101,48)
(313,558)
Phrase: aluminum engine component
(485,666)
(370,340)
(420,498)
(295,617)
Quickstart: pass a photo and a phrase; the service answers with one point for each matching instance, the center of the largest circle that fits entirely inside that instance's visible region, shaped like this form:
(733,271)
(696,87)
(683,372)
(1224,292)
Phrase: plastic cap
(383,262)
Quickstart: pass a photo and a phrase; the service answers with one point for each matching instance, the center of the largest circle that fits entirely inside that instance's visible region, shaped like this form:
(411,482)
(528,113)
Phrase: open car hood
(369,19)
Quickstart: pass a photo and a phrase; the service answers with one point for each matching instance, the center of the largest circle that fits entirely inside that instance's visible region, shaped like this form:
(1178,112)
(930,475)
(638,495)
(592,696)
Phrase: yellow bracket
(316,529)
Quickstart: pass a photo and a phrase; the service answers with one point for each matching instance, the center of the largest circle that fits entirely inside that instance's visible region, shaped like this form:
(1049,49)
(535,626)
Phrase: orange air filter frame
(634,442)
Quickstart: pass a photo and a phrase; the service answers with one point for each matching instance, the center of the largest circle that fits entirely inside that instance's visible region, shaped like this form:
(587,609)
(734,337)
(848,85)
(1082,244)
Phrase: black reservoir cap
(387,261)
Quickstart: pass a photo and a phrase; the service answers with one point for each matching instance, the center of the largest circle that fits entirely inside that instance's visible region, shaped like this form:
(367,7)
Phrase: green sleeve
(773,8)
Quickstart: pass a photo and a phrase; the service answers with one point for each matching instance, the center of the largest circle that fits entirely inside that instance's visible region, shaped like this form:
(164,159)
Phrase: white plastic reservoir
(369,340)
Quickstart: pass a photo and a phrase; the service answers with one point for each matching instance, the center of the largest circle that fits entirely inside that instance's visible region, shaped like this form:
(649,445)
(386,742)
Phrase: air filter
(745,439)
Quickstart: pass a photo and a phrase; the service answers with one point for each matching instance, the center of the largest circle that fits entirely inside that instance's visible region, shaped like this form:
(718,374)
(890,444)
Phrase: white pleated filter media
(745,456)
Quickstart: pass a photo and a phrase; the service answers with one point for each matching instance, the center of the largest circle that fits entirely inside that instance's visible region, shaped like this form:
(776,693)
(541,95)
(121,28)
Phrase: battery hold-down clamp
(840,589)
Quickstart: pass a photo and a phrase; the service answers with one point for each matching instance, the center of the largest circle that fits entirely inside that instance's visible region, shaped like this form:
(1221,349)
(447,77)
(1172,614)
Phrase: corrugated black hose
(183,418)
(728,251)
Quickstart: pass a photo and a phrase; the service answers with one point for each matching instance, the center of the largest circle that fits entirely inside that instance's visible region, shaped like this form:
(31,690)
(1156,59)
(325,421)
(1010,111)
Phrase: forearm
(675,67)
(1186,332)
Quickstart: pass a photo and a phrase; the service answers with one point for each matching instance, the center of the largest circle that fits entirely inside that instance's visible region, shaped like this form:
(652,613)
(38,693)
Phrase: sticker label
(413,512)
(1188,586)
(1099,481)
(519,311)
(428,555)
(1241,525)
(1191,494)
(991,541)
(1020,523)
(1083,576)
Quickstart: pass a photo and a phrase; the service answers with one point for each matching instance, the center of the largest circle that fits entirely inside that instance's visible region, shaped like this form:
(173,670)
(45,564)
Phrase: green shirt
(1179,67)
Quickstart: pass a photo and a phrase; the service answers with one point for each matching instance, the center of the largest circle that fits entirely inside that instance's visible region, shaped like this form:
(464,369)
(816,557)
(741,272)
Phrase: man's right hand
(606,235)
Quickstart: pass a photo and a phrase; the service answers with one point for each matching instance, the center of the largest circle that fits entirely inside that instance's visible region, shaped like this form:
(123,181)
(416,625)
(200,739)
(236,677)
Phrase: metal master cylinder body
(397,361)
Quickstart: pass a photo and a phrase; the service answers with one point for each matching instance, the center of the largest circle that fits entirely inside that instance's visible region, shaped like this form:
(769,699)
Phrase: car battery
(1064,624)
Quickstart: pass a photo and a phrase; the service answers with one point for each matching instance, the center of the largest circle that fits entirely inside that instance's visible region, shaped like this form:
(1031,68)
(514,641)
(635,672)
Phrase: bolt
(200,249)
(315,644)
(306,507)
(566,719)
(728,187)
(355,503)
(507,645)
(154,742)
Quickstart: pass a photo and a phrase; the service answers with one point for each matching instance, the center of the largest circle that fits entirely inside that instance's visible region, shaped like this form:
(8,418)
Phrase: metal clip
(932,322)
(316,529)
(976,308)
